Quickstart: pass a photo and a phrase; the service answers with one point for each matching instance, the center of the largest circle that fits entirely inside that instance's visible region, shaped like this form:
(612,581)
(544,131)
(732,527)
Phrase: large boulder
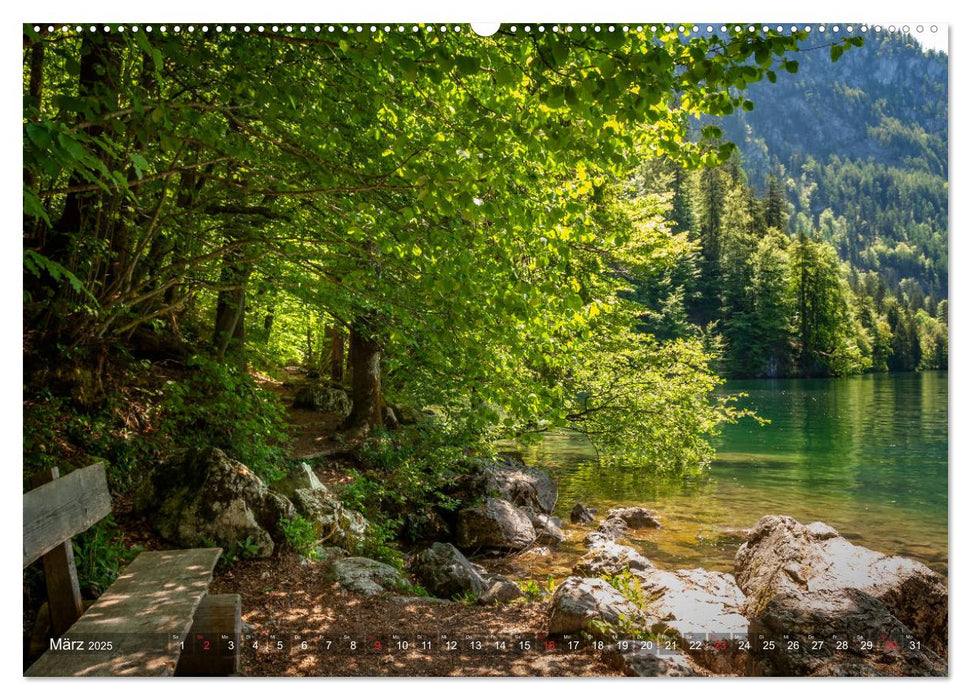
(367,576)
(508,478)
(301,476)
(607,558)
(635,517)
(843,632)
(781,555)
(693,605)
(594,606)
(317,397)
(445,572)
(494,524)
(202,497)
(408,415)
(645,660)
(333,523)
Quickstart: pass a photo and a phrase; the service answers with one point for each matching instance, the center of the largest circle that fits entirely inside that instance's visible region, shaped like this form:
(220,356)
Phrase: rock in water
(581,514)
(592,605)
(366,576)
(693,602)
(323,398)
(547,528)
(495,524)
(202,497)
(508,478)
(782,555)
(635,517)
(813,622)
(445,572)
(610,529)
(607,558)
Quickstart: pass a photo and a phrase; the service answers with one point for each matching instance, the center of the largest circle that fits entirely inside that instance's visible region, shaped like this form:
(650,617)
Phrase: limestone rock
(300,477)
(507,477)
(635,517)
(814,621)
(334,524)
(366,576)
(202,496)
(692,602)
(648,663)
(781,555)
(578,604)
(445,572)
(548,529)
(407,415)
(500,590)
(495,524)
(609,558)
(581,514)
(612,529)
(317,397)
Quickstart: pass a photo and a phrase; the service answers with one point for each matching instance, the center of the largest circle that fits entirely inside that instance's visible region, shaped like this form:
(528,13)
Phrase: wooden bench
(157,619)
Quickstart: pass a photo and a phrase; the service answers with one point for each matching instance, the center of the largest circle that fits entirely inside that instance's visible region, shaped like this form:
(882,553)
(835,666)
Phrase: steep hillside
(861,145)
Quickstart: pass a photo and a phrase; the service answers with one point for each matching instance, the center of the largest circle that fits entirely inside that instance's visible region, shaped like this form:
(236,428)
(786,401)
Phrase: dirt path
(291,610)
(293,603)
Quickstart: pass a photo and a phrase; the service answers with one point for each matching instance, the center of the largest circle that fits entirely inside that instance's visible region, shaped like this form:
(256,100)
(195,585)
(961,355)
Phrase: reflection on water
(868,455)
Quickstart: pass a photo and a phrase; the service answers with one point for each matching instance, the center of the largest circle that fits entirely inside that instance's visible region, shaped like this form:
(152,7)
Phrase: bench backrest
(62,508)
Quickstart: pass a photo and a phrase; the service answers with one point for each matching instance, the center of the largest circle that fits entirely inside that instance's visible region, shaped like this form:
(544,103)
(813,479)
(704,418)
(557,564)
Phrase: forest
(472,239)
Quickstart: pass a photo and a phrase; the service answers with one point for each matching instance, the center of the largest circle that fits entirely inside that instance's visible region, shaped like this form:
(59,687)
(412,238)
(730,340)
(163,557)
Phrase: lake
(867,455)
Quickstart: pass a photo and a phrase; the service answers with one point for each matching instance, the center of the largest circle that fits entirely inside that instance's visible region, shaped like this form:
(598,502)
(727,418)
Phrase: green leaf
(141,165)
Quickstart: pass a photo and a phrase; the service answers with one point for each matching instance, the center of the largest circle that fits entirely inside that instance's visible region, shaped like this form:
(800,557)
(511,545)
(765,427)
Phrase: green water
(868,455)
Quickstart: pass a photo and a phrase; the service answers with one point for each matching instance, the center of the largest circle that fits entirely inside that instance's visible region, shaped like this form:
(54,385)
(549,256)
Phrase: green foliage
(218,406)
(532,591)
(58,432)
(100,554)
(300,535)
(460,200)
(628,586)
(404,472)
(236,552)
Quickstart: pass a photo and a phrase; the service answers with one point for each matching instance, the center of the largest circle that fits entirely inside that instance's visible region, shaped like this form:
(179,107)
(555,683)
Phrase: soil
(293,603)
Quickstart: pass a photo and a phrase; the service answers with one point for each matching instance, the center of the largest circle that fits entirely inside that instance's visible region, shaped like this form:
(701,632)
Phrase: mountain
(861,145)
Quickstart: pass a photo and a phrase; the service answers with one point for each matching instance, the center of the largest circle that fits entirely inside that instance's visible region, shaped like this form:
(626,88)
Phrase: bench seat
(145,615)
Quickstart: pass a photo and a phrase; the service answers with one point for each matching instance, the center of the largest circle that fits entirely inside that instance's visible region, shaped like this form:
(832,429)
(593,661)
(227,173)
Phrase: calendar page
(532,349)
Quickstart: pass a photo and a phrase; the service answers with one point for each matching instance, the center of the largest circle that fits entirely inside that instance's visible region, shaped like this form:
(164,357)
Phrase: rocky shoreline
(802,600)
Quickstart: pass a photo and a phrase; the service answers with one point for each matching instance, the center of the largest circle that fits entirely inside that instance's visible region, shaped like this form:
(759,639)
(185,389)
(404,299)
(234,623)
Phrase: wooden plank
(62,508)
(60,575)
(143,615)
(212,645)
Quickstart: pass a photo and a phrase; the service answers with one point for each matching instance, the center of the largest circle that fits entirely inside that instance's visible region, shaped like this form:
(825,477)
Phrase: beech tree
(430,194)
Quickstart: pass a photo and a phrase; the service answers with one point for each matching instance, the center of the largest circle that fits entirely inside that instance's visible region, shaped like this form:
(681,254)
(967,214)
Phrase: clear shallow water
(867,455)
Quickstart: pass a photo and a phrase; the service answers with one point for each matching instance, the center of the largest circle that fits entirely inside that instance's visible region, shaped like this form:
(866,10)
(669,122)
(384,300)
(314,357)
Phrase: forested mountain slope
(865,138)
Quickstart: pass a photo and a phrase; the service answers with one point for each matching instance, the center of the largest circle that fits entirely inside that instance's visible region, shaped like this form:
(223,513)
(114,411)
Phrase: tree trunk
(227,336)
(336,355)
(365,361)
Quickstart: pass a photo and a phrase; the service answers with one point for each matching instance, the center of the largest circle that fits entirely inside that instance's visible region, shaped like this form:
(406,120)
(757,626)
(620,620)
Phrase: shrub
(100,554)
(218,406)
(300,535)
